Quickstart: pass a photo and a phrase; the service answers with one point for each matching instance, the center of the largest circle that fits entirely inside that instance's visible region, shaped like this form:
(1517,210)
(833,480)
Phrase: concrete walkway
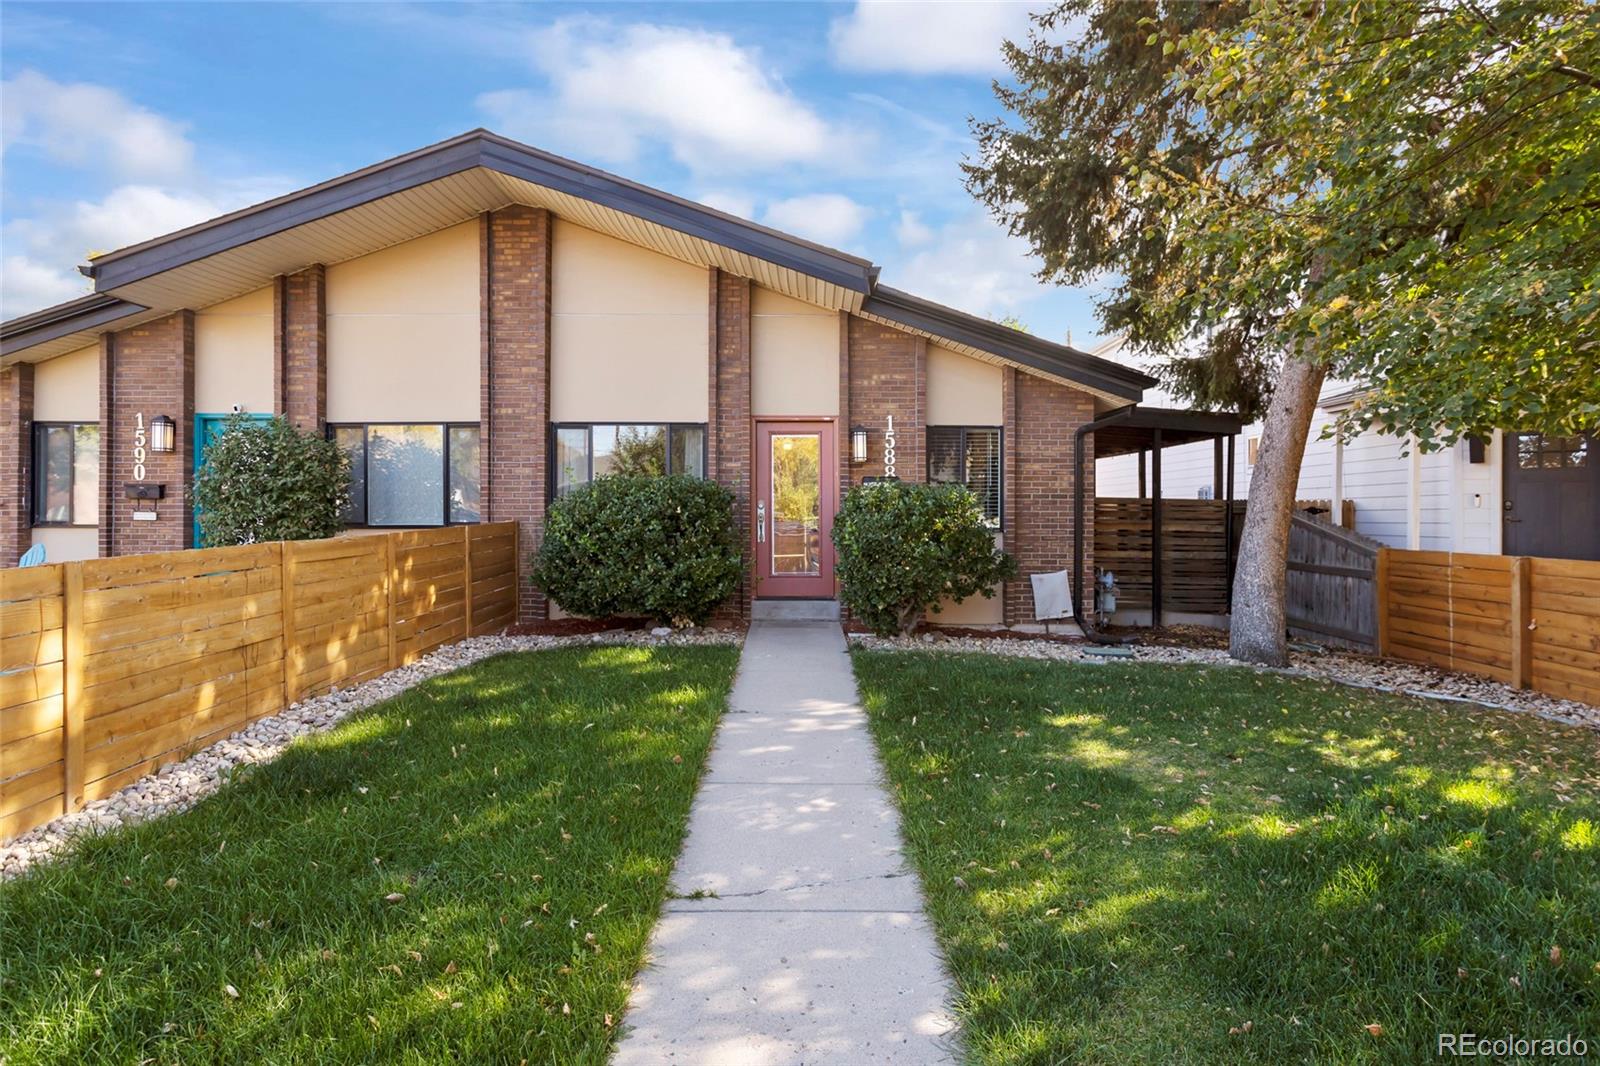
(814,947)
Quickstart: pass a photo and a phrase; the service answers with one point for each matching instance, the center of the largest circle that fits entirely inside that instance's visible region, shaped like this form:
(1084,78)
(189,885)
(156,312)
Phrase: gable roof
(460,178)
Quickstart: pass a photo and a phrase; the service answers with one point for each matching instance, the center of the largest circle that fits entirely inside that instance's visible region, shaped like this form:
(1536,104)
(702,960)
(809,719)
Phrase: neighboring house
(483,325)
(1513,494)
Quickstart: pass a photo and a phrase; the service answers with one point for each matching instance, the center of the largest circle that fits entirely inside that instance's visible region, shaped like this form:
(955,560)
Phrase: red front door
(796,494)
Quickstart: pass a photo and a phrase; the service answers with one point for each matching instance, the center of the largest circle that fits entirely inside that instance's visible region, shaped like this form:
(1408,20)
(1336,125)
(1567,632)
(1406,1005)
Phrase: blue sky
(843,122)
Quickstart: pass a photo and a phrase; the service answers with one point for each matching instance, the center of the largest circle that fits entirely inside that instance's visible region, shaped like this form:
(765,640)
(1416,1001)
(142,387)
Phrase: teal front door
(208,428)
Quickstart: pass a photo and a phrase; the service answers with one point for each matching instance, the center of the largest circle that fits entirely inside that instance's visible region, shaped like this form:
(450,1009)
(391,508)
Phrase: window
(583,452)
(970,456)
(417,474)
(1535,451)
(66,473)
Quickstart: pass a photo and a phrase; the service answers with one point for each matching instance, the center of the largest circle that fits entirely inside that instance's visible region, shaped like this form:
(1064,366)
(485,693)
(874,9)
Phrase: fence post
(466,570)
(388,594)
(291,638)
(1521,616)
(1380,599)
(72,649)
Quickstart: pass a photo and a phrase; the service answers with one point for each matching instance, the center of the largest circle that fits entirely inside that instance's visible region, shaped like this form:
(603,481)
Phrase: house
(1512,494)
(483,326)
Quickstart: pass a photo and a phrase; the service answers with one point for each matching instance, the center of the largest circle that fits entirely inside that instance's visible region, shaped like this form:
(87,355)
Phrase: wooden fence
(111,668)
(1331,586)
(1194,553)
(1529,622)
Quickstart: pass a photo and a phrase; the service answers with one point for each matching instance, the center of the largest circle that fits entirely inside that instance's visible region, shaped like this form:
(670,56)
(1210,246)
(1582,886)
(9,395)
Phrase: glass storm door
(796,493)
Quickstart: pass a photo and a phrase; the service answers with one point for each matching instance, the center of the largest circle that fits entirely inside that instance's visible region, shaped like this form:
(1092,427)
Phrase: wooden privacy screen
(114,667)
(1194,556)
(1529,622)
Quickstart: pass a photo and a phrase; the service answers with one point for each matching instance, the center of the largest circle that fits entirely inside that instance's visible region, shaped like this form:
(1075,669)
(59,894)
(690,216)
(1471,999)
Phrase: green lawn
(1138,864)
(527,808)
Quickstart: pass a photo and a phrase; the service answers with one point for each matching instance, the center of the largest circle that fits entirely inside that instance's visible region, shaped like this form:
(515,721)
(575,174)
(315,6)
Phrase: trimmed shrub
(267,480)
(902,547)
(663,547)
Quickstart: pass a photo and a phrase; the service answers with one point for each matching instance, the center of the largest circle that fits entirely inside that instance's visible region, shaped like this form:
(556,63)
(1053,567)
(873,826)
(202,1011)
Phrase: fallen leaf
(233,993)
(1555,954)
(172,882)
(1375,1029)
(395,897)
(451,968)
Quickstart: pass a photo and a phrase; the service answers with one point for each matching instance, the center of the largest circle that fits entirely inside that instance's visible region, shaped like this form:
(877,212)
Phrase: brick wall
(16,456)
(888,376)
(300,349)
(110,491)
(152,370)
(515,380)
(1041,419)
(730,427)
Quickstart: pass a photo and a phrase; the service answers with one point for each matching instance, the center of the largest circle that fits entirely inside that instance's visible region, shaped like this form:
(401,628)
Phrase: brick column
(16,459)
(888,377)
(516,382)
(110,489)
(300,348)
(1014,595)
(1042,417)
(152,374)
(732,426)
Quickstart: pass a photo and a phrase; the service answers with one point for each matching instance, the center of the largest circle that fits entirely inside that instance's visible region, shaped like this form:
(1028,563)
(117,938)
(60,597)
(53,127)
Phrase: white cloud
(80,124)
(829,218)
(893,36)
(29,285)
(738,204)
(912,232)
(971,264)
(613,88)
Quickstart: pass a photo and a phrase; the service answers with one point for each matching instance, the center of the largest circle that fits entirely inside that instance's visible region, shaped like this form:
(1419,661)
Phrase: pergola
(1146,431)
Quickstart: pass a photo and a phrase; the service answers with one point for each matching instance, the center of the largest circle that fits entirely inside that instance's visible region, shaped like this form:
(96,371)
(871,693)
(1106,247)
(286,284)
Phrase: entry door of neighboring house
(796,495)
(1552,496)
(208,428)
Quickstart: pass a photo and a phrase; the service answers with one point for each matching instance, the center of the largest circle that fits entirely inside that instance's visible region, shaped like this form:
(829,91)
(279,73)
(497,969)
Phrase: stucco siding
(403,331)
(233,354)
(68,544)
(67,388)
(794,356)
(963,391)
(629,332)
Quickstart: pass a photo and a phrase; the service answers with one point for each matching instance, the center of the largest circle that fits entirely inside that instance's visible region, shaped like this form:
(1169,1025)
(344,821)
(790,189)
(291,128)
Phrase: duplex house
(483,326)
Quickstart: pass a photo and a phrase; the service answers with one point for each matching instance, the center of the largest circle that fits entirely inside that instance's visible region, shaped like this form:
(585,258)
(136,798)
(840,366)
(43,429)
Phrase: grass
(527,808)
(1130,864)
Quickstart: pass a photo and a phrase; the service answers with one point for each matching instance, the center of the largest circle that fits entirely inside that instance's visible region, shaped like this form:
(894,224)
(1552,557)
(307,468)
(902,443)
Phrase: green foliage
(527,808)
(1407,192)
(902,547)
(664,547)
(267,480)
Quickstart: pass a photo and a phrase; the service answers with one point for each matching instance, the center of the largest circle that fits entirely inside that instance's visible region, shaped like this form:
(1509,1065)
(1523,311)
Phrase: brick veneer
(300,348)
(16,456)
(152,373)
(515,380)
(730,426)
(888,375)
(1041,419)
(109,489)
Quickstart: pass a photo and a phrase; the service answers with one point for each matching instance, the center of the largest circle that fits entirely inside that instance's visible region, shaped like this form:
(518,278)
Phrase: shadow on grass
(1154,856)
(528,810)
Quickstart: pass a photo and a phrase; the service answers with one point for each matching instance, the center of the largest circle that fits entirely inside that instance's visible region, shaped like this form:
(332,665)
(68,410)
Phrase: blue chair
(34,556)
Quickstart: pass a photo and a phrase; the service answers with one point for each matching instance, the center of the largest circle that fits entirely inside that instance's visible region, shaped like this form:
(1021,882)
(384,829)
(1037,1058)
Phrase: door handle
(761,521)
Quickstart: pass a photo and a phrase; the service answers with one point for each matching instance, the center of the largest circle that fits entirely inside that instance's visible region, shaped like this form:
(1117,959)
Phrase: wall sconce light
(163,434)
(858,444)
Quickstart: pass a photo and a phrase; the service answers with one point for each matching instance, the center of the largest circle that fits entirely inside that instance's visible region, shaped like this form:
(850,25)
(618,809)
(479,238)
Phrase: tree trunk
(1257,632)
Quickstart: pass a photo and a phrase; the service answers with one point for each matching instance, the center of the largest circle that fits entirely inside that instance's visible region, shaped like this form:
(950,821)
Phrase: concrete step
(795,611)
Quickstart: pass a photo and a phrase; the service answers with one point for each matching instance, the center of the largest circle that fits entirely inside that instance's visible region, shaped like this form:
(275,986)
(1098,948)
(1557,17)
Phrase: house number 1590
(138,446)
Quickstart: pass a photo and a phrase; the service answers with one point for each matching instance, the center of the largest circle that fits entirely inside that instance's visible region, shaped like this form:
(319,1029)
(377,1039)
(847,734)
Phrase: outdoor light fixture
(858,444)
(163,434)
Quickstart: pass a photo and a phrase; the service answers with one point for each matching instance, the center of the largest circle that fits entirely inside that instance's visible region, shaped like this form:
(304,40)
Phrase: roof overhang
(979,336)
(1135,428)
(67,327)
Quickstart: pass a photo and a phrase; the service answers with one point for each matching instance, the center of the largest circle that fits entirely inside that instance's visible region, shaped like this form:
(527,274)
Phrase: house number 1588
(888,448)
(138,446)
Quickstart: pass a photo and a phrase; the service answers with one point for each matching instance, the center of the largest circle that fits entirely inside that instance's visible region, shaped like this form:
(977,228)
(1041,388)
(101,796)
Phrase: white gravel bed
(1360,671)
(180,785)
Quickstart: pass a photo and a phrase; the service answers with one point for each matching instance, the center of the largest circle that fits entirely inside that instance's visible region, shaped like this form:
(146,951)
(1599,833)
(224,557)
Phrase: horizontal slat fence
(1194,555)
(1529,622)
(112,668)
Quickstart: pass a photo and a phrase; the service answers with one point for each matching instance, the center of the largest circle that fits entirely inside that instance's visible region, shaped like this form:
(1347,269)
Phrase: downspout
(1084,625)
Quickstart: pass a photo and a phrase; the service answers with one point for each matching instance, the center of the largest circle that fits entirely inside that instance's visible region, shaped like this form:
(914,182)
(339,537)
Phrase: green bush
(267,480)
(664,547)
(902,547)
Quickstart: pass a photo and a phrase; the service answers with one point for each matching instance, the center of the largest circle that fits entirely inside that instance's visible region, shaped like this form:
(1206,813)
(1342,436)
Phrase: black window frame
(331,431)
(36,469)
(1000,438)
(552,481)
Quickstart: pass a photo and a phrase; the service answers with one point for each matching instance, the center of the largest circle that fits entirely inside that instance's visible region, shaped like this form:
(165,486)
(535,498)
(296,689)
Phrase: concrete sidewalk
(810,945)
